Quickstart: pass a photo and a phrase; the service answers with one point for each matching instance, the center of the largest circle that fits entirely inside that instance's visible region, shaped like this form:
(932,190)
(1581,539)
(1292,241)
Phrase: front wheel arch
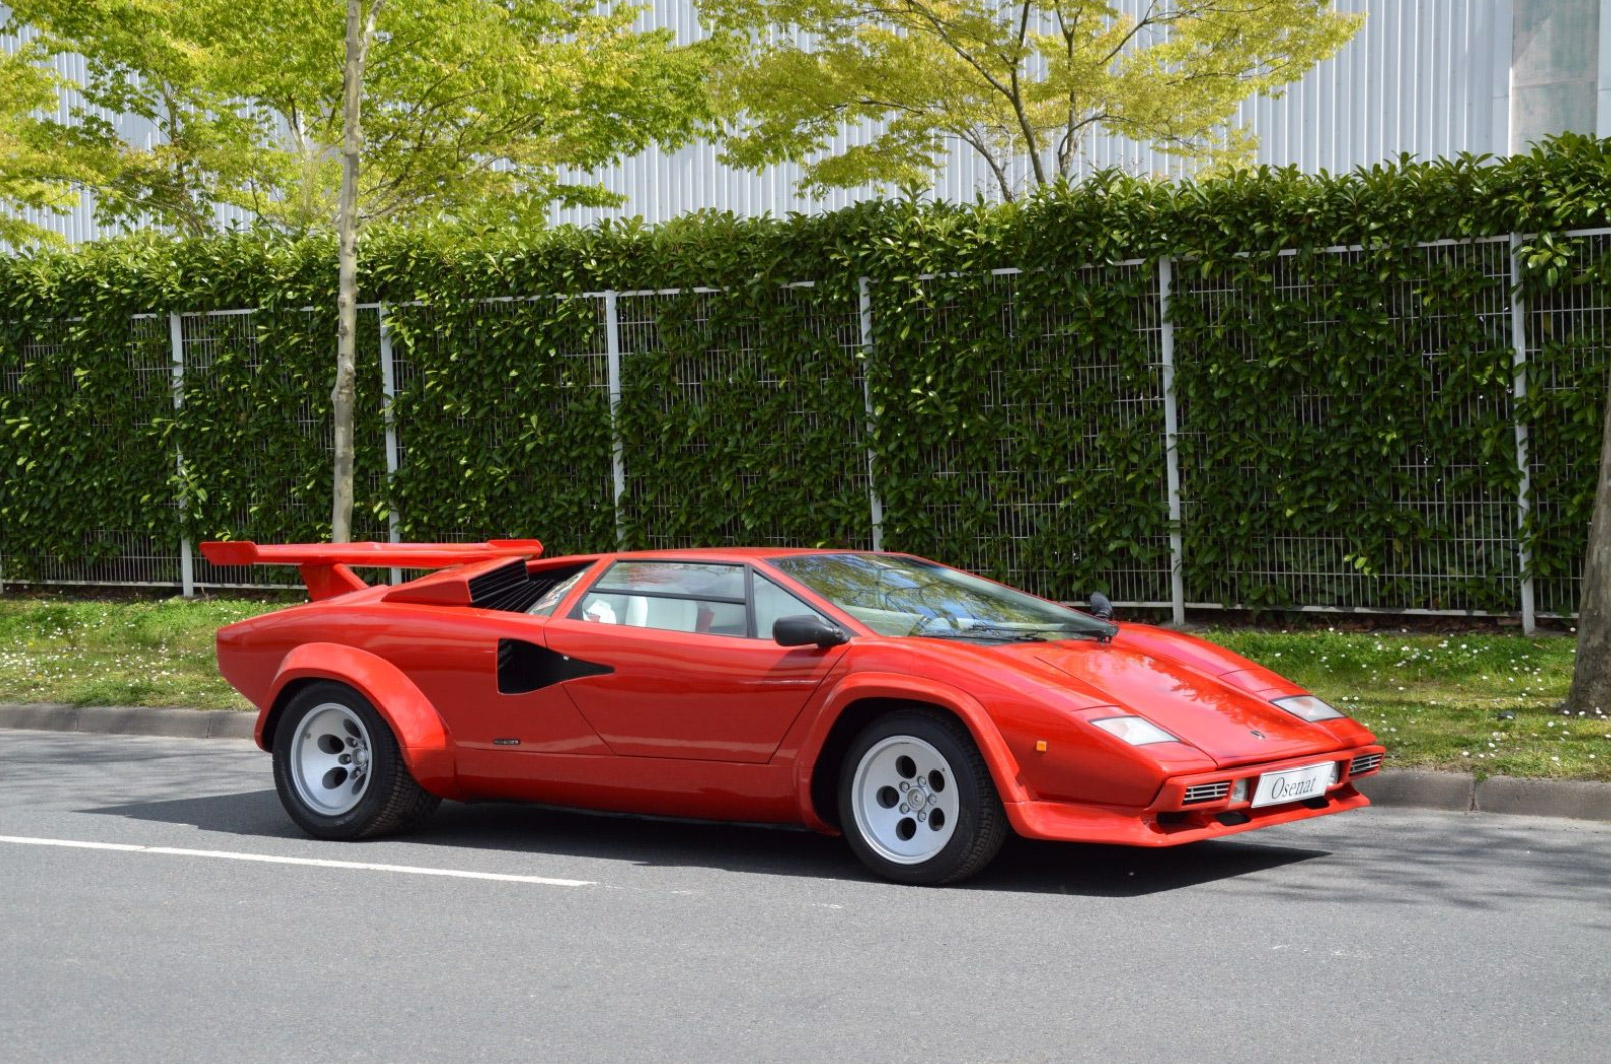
(826,765)
(932,757)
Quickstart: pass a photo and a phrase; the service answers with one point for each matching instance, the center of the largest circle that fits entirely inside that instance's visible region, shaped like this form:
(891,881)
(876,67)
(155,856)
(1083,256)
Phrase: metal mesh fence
(1033,478)
(1568,354)
(1431,522)
(107,557)
(760,398)
(256,381)
(509,403)
(1048,474)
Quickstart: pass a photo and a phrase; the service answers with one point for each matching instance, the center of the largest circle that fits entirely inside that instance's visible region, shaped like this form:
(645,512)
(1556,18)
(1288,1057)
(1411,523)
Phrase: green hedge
(1347,428)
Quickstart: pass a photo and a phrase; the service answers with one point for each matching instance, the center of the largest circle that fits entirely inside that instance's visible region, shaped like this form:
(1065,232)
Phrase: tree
(1591,670)
(153,60)
(32,175)
(479,111)
(360,34)
(1024,81)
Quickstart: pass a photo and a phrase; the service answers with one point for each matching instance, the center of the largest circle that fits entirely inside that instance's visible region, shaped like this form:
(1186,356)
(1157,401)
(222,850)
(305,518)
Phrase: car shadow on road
(1023,866)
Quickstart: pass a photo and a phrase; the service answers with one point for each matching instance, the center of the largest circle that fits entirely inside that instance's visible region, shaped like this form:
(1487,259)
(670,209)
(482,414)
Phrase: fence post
(1518,341)
(187,565)
(874,504)
(388,393)
(1177,572)
(612,341)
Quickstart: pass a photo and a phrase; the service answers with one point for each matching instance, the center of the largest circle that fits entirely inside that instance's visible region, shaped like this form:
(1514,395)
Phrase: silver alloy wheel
(904,797)
(330,755)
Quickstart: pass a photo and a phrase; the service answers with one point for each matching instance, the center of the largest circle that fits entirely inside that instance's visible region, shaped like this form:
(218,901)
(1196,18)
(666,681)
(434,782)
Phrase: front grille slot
(1206,792)
(1365,763)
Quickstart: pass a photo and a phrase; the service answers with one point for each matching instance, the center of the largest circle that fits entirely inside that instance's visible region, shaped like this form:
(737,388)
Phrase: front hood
(1226,723)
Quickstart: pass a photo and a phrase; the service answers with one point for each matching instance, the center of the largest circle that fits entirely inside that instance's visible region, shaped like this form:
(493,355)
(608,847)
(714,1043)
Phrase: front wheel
(916,800)
(339,771)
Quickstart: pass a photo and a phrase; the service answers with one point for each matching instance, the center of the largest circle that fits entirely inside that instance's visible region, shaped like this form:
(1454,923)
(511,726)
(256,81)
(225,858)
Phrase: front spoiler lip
(1166,821)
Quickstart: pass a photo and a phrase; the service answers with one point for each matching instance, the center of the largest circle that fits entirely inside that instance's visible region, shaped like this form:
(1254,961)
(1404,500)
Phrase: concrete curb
(1454,791)
(130,720)
(1575,799)
(1424,790)
(1462,792)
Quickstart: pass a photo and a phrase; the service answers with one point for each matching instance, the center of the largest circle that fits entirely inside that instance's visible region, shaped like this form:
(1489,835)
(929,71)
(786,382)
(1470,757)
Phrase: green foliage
(254,427)
(32,173)
(86,416)
(1020,427)
(1346,432)
(1565,288)
(1025,82)
(474,109)
(742,418)
(1347,426)
(503,411)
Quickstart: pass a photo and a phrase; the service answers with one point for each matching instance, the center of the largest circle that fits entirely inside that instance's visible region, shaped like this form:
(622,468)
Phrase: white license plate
(1294,784)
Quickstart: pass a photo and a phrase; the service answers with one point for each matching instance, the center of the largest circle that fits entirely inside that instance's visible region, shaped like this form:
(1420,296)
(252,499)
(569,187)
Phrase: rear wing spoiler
(325,566)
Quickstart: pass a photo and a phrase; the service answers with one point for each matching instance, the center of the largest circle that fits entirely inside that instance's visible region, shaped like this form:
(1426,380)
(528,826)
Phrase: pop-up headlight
(1308,707)
(1137,731)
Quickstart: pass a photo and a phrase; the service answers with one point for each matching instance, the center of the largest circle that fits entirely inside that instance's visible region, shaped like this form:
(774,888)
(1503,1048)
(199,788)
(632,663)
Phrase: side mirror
(806,629)
(1101,607)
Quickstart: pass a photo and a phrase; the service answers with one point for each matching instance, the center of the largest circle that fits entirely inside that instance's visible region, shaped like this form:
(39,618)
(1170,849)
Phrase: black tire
(980,824)
(391,802)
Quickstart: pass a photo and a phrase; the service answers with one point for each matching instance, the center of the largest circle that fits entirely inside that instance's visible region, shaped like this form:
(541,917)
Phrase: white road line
(312,862)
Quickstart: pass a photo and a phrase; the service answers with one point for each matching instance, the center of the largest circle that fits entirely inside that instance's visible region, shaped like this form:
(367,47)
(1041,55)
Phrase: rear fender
(998,758)
(423,737)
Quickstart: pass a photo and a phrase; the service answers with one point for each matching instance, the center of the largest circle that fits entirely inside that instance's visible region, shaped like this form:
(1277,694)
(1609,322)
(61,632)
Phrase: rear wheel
(916,800)
(339,771)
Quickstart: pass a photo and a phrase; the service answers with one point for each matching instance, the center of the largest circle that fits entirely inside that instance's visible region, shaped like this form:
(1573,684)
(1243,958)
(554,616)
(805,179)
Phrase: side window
(772,602)
(696,597)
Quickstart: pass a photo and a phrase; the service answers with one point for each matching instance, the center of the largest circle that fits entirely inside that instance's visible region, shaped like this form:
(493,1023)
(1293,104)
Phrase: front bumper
(1179,814)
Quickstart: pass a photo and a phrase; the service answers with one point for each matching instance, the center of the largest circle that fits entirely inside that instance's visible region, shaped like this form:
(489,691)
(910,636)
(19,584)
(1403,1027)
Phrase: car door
(690,674)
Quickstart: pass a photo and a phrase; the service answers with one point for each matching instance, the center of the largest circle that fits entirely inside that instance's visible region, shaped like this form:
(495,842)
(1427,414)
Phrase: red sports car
(922,711)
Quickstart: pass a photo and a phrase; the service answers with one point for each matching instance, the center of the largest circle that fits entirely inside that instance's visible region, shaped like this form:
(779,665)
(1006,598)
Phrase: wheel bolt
(903,807)
(922,816)
(905,785)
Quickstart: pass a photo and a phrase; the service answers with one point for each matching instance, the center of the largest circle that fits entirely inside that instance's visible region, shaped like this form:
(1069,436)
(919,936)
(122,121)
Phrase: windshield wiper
(1007,634)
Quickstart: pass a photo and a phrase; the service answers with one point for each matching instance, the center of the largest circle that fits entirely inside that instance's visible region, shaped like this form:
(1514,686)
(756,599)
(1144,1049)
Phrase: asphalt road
(1385,935)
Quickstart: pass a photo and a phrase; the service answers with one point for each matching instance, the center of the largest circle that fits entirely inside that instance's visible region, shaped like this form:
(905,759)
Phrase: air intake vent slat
(1206,792)
(1365,763)
(508,588)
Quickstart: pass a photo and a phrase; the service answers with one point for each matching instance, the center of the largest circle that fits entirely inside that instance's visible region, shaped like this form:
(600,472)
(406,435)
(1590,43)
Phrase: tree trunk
(1591,674)
(341,397)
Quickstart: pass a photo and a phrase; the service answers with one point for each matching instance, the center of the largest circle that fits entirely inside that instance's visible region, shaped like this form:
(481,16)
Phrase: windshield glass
(897,595)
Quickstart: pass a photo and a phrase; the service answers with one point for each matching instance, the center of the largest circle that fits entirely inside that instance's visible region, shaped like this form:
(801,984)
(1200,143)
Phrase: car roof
(723,553)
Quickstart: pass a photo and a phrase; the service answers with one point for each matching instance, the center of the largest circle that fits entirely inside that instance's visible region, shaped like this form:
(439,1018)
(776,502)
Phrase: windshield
(896,595)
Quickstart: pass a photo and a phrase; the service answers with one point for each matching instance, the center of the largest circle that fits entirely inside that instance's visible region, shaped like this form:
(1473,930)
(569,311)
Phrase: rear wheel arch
(339,770)
(856,715)
(282,698)
(421,732)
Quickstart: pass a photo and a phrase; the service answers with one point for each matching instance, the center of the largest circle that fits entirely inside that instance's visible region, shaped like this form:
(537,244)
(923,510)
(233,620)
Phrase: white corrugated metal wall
(1428,77)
